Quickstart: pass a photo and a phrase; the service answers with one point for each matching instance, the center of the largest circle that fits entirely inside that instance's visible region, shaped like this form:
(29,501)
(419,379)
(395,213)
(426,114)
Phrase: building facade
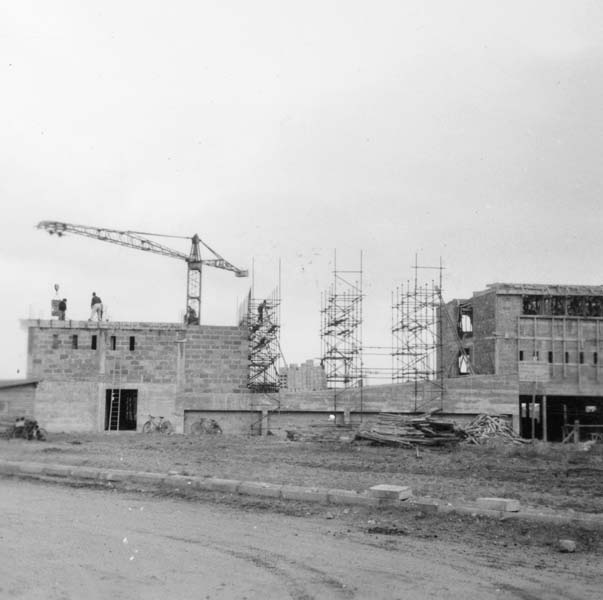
(161,369)
(548,337)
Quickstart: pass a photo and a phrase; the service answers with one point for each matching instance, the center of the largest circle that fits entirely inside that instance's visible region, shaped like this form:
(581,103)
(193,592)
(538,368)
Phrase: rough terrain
(565,478)
(62,544)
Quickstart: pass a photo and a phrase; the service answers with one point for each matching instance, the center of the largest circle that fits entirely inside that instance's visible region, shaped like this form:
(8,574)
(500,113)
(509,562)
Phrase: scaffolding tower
(341,329)
(263,318)
(416,337)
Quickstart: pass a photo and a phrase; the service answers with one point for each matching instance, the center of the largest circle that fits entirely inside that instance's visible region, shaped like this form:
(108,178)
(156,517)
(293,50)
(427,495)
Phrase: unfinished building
(547,338)
(164,369)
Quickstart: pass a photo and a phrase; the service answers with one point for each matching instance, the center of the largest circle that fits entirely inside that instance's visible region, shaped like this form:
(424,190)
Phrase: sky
(467,131)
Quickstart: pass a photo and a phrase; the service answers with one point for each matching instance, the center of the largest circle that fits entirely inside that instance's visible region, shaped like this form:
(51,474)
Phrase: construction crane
(133,239)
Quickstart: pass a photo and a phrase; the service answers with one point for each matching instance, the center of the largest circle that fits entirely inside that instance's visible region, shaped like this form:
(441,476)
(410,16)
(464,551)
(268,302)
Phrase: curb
(175,482)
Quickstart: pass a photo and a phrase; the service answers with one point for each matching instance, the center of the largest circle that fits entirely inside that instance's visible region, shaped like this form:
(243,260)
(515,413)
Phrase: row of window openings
(581,357)
(93,342)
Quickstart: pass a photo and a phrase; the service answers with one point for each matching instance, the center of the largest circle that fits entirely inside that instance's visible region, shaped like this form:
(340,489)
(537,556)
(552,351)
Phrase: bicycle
(205,426)
(157,424)
(27,429)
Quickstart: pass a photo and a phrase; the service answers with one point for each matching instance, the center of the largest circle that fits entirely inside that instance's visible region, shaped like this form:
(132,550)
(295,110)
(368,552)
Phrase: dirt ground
(565,478)
(560,477)
(60,543)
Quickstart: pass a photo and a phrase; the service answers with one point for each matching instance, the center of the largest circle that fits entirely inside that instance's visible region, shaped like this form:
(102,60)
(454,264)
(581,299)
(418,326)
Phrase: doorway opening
(120,409)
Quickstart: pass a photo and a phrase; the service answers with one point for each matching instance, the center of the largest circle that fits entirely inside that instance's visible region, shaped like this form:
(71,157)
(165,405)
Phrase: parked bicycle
(27,429)
(157,424)
(205,426)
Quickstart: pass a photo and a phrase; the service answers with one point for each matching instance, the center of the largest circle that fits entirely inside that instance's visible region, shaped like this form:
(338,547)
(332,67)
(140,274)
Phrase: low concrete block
(351,497)
(224,485)
(257,488)
(304,494)
(390,492)
(502,504)
(567,546)
(424,504)
(31,468)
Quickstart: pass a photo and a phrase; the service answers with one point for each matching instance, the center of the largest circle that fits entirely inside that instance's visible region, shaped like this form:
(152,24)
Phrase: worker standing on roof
(62,309)
(96,307)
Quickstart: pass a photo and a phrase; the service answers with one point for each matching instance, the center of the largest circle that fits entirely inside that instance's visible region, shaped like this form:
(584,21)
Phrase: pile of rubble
(393,429)
(485,428)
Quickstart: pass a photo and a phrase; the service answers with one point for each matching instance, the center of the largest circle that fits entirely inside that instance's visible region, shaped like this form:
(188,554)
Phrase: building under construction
(529,352)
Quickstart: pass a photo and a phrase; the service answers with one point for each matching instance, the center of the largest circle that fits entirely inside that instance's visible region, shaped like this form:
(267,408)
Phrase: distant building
(304,377)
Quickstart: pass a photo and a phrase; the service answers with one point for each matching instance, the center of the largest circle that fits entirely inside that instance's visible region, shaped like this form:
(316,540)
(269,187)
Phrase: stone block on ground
(425,505)
(567,546)
(390,492)
(502,504)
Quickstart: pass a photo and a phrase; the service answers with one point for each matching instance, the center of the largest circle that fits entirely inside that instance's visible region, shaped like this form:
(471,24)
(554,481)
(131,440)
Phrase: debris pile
(393,429)
(485,428)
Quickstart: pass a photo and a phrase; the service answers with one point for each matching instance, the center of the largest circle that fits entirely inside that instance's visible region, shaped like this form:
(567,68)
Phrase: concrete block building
(548,338)
(156,368)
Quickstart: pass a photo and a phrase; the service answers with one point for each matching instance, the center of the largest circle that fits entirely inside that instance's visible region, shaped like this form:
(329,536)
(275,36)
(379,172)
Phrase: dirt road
(62,543)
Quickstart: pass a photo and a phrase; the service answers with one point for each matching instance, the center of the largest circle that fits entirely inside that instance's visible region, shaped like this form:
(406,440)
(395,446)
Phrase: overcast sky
(466,130)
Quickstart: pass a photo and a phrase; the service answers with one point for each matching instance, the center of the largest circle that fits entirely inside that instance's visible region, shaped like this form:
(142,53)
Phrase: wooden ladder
(115,404)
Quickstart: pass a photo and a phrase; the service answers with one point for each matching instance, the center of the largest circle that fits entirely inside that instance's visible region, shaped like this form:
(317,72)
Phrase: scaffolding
(417,339)
(341,329)
(262,318)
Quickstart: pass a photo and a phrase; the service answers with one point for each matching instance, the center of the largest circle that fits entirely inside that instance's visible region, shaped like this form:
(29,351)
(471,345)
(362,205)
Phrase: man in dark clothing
(96,307)
(62,309)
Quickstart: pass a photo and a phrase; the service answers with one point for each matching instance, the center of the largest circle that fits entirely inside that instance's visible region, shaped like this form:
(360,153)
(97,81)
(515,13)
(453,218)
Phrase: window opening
(55,341)
(550,356)
(464,361)
(567,357)
(595,358)
(581,358)
(93,342)
(132,343)
(113,342)
(521,355)
(74,342)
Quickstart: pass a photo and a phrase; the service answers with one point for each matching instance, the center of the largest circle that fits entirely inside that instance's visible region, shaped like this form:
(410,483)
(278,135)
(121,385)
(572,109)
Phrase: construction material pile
(486,428)
(393,429)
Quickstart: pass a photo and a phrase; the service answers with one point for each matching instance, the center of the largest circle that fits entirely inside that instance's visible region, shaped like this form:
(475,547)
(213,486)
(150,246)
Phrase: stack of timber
(393,429)
(486,428)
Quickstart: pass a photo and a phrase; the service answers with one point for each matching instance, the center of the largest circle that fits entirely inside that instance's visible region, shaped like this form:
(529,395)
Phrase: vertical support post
(576,431)
(545,433)
(264,424)
(533,411)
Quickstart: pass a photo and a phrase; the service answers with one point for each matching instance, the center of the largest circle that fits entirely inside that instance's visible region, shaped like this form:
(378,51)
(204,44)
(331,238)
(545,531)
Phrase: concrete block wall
(169,365)
(216,360)
(508,311)
(68,405)
(198,359)
(16,401)
(484,327)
